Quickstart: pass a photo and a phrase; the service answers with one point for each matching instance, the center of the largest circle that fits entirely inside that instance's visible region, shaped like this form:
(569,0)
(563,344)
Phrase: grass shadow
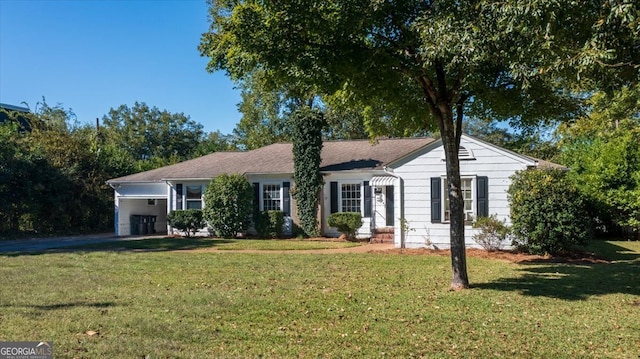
(576,280)
(35,311)
(611,251)
(136,245)
(57,306)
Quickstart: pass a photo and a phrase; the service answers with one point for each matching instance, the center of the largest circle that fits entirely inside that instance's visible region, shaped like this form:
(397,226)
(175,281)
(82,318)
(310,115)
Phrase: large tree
(603,151)
(414,63)
(151,137)
(267,113)
(264,114)
(52,177)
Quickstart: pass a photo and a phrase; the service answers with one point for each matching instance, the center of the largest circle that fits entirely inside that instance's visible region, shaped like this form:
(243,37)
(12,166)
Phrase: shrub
(548,213)
(189,221)
(269,224)
(346,222)
(493,232)
(229,205)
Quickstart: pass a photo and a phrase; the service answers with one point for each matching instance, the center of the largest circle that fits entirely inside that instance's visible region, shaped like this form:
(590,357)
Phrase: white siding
(489,161)
(142,190)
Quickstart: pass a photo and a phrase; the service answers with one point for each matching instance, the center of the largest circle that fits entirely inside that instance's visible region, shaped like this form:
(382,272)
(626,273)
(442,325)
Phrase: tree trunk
(441,103)
(459,279)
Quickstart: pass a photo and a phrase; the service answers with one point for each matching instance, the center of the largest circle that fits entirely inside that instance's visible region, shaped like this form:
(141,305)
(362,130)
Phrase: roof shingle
(278,158)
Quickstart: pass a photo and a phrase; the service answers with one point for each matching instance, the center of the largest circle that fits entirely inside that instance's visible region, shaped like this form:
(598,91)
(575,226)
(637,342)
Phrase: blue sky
(93,55)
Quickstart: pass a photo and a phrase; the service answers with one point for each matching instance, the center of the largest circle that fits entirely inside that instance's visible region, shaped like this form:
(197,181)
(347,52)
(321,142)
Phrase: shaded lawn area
(105,304)
(160,244)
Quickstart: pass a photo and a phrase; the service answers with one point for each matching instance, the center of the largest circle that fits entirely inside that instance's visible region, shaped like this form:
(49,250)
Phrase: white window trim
(185,190)
(358,183)
(445,196)
(262,193)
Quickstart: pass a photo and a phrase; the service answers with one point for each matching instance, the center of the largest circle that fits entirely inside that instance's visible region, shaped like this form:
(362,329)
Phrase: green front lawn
(133,303)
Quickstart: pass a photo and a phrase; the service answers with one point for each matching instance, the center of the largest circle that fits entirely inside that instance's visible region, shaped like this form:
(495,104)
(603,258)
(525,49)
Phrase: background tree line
(53,170)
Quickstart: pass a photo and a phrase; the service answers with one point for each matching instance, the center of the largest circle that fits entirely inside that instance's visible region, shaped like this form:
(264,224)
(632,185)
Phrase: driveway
(43,244)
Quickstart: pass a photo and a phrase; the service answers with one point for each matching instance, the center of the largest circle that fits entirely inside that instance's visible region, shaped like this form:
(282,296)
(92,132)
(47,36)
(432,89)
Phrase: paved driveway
(42,244)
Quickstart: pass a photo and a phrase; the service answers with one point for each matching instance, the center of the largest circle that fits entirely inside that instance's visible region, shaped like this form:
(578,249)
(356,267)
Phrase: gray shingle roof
(278,158)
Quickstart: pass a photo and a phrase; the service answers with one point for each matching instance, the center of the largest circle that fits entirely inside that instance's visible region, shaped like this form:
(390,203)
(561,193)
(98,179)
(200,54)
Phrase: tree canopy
(603,151)
(151,137)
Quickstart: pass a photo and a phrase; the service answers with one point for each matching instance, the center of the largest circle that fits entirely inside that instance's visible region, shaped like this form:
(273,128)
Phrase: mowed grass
(166,304)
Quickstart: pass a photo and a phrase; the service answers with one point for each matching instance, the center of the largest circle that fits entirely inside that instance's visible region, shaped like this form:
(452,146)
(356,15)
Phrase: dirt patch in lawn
(510,256)
(388,248)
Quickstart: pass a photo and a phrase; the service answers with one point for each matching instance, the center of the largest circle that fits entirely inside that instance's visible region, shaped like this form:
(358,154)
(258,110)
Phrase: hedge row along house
(397,185)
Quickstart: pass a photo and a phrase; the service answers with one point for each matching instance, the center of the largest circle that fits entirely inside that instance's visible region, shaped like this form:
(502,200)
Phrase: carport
(140,209)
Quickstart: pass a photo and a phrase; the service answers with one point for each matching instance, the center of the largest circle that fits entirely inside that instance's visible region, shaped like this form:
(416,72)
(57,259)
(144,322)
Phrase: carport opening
(142,216)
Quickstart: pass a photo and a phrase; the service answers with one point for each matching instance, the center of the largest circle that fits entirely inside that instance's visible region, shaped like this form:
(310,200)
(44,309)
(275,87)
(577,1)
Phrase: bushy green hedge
(189,221)
(548,213)
(269,224)
(229,205)
(346,222)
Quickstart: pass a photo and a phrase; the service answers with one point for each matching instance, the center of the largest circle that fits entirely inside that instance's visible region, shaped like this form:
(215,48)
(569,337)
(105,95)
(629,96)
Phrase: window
(350,197)
(271,197)
(194,197)
(475,194)
(467,196)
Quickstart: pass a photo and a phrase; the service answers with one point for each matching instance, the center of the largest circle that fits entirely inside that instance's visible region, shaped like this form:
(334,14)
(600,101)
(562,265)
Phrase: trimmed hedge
(269,224)
(346,222)
(189,221)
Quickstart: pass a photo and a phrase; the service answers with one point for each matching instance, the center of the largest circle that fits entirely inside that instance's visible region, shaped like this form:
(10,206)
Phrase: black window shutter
(179,196)
(390,207)
(286,200)
(334,197)
(256,197)
(367,199)
(436,200)
(482,197)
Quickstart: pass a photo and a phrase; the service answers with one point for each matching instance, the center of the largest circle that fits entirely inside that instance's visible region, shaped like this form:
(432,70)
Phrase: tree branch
(459,116)
(442,80)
